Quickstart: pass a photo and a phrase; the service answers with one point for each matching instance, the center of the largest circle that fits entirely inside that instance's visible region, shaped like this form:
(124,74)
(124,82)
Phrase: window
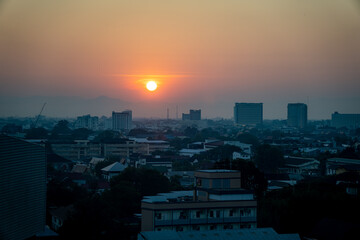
(245,212)
(183,215)
(231,213)
(158,216)
(198,214)
(212,227)
(218,213)
(211,214)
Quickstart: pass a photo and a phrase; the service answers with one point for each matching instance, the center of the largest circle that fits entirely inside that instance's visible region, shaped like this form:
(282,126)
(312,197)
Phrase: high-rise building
(195,114)
(192,115)
(122,121)
(350,121)
(297,115)
(22,188)
(87,121)
(248,113)
(217,203)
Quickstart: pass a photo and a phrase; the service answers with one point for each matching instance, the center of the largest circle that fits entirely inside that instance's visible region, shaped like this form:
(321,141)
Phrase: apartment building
(79,150)
(248,113)
(217,203)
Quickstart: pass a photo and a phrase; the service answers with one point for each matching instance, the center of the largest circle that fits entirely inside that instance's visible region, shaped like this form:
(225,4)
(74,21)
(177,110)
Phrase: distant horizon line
(156,118)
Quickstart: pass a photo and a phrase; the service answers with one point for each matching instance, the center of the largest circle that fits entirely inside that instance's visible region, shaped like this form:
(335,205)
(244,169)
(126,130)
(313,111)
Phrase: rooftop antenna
(38,116)
(177,112)
(167,113)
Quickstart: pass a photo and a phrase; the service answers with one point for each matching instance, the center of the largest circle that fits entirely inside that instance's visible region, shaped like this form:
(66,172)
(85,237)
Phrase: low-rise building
(80,150)
(153,145)
(217,203)
(113,169)
(302,166)
(335,166)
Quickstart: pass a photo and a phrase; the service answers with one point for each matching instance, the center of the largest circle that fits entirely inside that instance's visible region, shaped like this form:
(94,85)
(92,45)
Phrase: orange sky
(202,53)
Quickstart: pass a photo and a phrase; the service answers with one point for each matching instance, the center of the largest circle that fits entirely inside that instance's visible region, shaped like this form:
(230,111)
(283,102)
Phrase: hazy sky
(204,54)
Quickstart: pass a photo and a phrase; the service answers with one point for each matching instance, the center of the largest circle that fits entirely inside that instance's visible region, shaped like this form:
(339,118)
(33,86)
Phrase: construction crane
(37,118)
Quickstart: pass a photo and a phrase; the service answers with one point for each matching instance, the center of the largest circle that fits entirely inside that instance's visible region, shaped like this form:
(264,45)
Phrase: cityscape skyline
(206,56)
(156,120)
(71,107)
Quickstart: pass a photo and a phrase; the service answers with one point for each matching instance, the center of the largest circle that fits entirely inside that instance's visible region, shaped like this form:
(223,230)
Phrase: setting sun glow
(151,86)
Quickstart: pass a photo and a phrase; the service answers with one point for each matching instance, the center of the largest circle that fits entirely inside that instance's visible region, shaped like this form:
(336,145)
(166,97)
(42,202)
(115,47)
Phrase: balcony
(163,222)
(231,219)
(198,220)
(215,220)
(248,219)
(181,221)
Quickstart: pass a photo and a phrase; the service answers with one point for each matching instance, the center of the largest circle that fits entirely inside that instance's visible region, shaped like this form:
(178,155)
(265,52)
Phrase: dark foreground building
(22,188)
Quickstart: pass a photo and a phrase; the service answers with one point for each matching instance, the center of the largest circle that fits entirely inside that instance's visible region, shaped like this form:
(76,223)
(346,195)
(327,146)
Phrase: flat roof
(217,171)
(164,197)
(234,234)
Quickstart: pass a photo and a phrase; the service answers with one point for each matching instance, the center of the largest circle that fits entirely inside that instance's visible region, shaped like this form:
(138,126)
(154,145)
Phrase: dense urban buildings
(248,113)
(297,115)
(22,188)
(351,121)
(87,121)
(78,150)
(217,203)
(122,121)
(192,115)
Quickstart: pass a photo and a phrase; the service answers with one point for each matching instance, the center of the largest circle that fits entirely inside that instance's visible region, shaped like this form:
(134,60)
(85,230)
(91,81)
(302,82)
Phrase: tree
(219,153)
(138,131)
(37,133)
(81,134)
(251,177)
(146,181)
(248,138)
(11,128)
(61,130)
(301,207)
(123,199)
(91,219)
(349,153)
(175,183)
(269,158)
(105,136)
(191,132)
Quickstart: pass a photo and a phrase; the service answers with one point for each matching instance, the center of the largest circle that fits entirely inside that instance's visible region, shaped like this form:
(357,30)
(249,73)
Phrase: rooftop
(238,234)
(298,161)
(115,167)
(164,197)
(217,171)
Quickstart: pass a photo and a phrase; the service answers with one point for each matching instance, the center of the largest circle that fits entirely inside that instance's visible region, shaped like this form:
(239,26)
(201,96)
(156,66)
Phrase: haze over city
(202,54)
(181,120)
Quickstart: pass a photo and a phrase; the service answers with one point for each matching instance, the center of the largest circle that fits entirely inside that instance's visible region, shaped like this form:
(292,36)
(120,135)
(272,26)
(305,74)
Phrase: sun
(151,86)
